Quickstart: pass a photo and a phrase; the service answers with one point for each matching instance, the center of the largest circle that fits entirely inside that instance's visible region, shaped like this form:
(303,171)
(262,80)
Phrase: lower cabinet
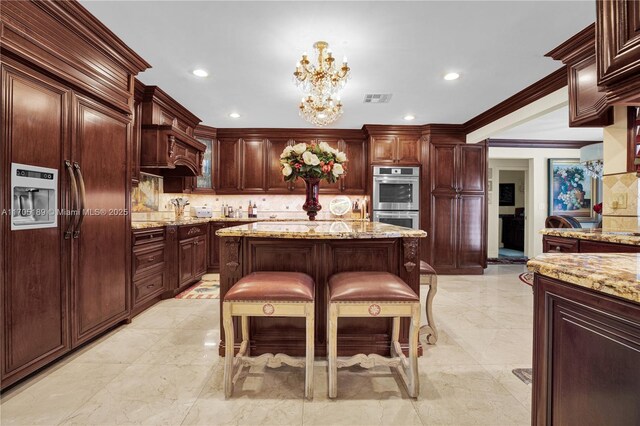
(192,253)
(586,351)
(192,261)
(149,267)
(553,244)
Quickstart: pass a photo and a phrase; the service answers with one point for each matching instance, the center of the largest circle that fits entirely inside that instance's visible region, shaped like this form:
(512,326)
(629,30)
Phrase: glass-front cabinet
(204,182)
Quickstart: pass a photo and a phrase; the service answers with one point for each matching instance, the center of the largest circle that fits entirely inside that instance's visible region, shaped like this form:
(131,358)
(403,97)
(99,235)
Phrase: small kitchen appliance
(201,211)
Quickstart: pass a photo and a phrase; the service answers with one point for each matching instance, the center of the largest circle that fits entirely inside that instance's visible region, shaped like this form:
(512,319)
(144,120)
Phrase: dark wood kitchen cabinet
(275,179)
(555,244)
(458,207)
(247,161)
(618,49)
(253,165)
(227,165)
(168,146)
(192,253)
(67,91)
(394,145)
(586,350)
(149,272)
(588,106)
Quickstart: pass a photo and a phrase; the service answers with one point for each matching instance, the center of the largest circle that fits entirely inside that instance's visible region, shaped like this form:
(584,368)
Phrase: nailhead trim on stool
(249,297)
(347,297)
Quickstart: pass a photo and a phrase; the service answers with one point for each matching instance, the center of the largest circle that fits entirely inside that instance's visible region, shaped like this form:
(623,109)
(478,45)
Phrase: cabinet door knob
(558,248)
(151,258)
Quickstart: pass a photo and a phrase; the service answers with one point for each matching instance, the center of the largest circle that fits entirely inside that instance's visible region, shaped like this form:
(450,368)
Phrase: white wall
(536,160)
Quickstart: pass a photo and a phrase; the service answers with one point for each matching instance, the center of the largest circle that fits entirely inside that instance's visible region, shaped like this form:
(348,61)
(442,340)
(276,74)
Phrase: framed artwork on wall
(146,196)
(507,194)
(571,191)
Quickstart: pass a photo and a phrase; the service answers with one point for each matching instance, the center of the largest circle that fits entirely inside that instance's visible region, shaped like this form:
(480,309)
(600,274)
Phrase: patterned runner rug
(208,288)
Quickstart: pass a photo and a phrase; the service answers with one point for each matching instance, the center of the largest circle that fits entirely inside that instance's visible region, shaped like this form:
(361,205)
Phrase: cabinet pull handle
(151,285)
(74,199)
(151,258)
(83,198)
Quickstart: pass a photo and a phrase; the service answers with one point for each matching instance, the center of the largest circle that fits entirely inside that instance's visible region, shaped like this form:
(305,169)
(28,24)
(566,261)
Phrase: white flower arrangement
(314,160)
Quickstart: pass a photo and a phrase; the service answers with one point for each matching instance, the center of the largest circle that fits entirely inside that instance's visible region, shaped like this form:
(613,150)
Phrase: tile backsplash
(615,186)
(287,206)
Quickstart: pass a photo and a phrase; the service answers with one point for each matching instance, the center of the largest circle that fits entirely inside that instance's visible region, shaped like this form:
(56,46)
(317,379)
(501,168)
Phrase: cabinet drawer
(148,287)
(190,231)
(145,236)
(145,258)
(601,247)
(560,245)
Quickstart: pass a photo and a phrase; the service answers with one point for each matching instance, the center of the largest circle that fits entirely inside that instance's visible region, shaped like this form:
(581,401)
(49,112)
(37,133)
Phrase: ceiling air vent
(377,98)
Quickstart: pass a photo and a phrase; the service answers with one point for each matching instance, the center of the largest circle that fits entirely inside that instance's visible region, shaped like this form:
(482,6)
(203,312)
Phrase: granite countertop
(615,274)
(197,220)
(320,230)
(617,236)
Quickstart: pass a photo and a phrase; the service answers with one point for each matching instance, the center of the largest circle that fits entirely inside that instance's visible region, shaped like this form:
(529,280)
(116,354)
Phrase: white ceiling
(551,126)
(404,48)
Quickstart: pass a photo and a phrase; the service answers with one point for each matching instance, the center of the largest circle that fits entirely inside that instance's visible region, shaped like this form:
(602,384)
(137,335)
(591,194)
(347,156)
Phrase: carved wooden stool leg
(430,329)
(414,332)
(395,336)
(245,336)
(310,351)
(332,357)
(227,322)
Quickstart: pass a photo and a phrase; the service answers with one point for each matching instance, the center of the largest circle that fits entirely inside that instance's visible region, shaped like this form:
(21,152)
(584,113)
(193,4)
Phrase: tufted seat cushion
(369,286)
(287,286)
(426,269)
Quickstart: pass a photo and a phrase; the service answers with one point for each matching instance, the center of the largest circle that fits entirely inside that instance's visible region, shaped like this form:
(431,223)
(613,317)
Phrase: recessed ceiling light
(452,76)
(200,73)
(234,115)
(409,117)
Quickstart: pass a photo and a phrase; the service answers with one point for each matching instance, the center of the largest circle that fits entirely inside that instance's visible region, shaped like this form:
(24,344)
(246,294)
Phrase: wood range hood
(168,147)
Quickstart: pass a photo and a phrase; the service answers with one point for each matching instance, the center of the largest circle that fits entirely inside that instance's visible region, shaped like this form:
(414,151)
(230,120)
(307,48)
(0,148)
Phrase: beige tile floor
(164,369)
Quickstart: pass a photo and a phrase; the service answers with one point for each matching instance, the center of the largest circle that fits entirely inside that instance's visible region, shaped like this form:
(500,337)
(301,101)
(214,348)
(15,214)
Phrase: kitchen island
(586,342)
(320,250)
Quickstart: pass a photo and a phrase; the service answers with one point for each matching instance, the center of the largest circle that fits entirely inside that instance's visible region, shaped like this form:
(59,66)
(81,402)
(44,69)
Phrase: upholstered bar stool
(373,294)
(267,294)
(431,278)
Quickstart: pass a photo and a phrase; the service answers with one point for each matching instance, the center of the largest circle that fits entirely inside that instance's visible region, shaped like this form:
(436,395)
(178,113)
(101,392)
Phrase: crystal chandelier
(323,79)
(320,111)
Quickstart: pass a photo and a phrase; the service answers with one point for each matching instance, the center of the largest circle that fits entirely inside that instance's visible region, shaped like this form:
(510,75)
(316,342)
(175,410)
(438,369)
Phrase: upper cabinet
(394,145)
(588,105)
(204,183)
(168,146)
(618,48)
(247,161)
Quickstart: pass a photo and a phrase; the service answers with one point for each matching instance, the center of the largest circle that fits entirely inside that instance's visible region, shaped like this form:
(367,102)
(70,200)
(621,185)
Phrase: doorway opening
(511,214)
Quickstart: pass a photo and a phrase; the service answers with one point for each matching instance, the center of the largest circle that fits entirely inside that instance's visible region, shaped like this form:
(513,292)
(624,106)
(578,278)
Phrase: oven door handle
(413,180)
(73,201)
(398,215)
(83,199)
